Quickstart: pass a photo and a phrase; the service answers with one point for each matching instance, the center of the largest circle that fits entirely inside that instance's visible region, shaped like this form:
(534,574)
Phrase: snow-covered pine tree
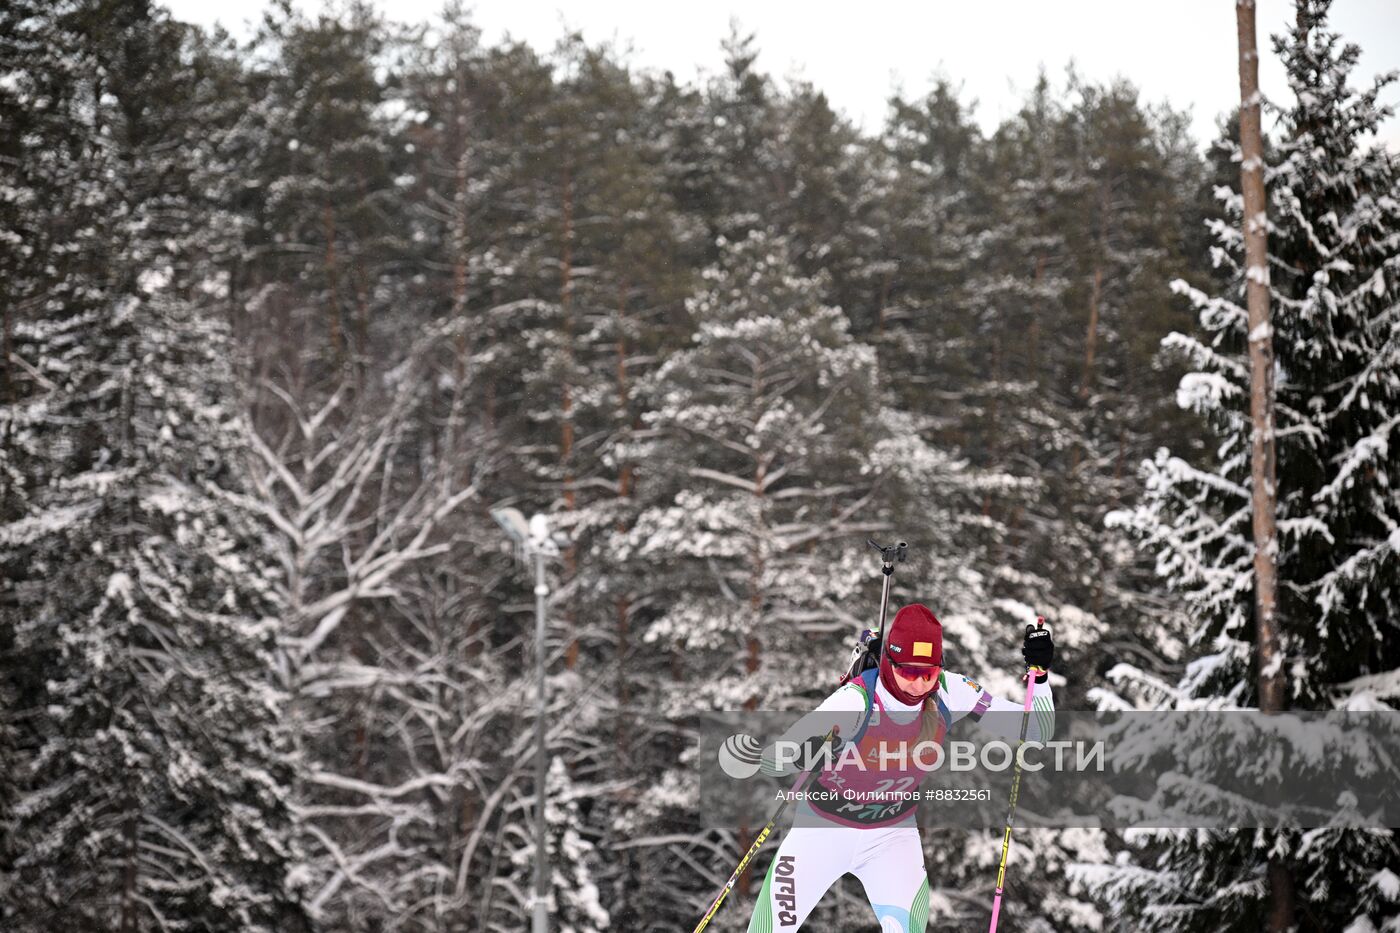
(1021,290)
(1334,251)
(151,778)
(937,202)
(604,271)
(1126,231)
(822,186)
(320,184)
(759,440)
(771,453)
(1086,220)
(722,149)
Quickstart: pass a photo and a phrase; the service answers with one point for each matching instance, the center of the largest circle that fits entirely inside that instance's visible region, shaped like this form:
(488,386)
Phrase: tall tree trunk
(461,262)
(1091,339)
(1261,410)
(566,436)
(993,432)
(752,663)
(460,241)
(752,656)
(622,605)
(459,248)
(333,305)
(1261,366)
(1037,309)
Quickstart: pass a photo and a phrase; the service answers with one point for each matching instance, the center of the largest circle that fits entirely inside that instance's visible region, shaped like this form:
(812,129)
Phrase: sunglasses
(917,671)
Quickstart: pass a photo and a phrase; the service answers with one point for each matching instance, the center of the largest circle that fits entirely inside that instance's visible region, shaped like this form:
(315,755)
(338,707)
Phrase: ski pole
(804,783)
(1031,674)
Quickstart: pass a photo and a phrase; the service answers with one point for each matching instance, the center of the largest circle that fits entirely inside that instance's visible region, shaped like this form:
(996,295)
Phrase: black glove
(1039,650)
(813,747)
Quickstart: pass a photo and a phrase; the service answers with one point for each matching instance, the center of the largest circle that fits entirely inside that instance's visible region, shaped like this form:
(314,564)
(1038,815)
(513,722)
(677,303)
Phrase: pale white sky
(1183,51)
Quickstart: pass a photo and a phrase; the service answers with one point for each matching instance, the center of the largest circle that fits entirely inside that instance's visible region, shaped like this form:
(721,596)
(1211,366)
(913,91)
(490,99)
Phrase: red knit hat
(915,637)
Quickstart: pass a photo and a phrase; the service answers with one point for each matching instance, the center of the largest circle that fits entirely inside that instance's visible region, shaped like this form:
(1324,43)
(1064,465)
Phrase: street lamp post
(534,541)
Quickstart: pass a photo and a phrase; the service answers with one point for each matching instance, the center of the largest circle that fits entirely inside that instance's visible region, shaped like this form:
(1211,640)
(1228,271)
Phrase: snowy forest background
(284,319)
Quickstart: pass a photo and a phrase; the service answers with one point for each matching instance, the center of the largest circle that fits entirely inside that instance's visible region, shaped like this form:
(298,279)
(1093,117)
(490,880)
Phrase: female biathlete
(860,817)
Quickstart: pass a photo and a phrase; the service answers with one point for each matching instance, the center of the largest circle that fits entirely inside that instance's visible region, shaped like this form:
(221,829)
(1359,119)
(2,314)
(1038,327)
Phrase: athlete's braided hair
(929,717)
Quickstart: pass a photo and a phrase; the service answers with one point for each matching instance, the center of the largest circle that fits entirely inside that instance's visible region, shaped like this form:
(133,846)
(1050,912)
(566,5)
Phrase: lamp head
(512,523)
(530,538)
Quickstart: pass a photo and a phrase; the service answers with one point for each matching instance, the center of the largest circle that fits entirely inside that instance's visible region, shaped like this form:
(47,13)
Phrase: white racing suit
(879,844)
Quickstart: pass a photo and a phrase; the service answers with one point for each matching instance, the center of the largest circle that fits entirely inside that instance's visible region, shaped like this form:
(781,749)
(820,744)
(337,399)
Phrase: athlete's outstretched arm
(1000,716)
(844,710)
(965,698)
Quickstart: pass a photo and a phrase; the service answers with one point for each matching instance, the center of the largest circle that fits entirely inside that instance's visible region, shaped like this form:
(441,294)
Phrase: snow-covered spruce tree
(39,172)
(770,455)
(150,782)
(156,786)
(1334,245)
